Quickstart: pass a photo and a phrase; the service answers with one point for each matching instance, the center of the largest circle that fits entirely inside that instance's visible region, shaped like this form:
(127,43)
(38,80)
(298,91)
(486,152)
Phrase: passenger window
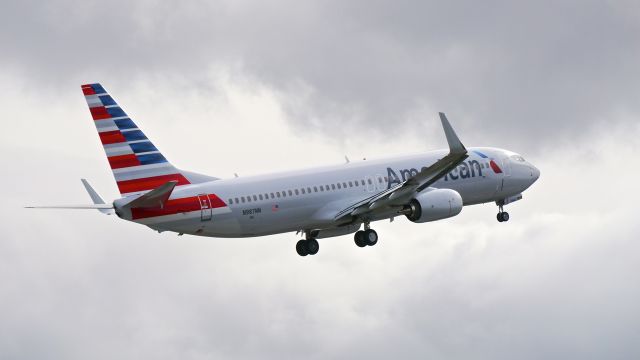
(315,189)
(230,201)
(260,196)
(237,200)
(333,186)
(386,179)
(339,186)
(309,190)
(356,183)
(243,199)
(272,195)
(284,194)
(290,193)
(255,198)
(363,183)
(350,184)
(321,188)
(248,198)
(278,193)
(344,185)
(296,191)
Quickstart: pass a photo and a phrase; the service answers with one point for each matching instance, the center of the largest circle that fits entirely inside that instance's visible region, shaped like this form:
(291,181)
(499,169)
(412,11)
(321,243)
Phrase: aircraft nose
(535,173)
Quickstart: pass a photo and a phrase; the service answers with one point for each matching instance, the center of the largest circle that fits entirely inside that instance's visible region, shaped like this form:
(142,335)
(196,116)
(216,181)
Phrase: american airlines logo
(466,169)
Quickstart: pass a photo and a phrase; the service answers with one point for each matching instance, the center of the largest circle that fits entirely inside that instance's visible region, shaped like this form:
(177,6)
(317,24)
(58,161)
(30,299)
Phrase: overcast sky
(253,87)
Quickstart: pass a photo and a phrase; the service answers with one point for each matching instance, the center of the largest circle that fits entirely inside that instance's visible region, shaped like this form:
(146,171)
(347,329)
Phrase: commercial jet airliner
(319,203)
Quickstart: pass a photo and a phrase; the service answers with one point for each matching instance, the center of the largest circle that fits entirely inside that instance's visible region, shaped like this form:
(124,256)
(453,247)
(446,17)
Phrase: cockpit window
(517,158)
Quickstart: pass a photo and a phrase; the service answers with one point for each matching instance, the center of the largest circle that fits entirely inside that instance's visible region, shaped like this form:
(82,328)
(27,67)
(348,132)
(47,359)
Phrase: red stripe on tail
(99,113)
(149,183)
(122,161)
(111,137)
(88,90)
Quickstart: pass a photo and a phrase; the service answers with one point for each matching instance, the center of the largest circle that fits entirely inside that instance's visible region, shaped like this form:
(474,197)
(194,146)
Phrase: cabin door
(206,211)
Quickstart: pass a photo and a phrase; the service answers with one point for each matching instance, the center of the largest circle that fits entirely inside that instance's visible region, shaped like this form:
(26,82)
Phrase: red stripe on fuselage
(149,183)
(496,169)
(176,206)
(111,137)
(99,113)
(122,161)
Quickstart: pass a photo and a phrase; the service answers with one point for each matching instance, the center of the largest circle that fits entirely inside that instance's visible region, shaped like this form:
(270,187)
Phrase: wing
(400,194)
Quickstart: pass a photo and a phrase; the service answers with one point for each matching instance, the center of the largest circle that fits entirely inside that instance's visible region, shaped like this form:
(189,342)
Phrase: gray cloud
(556,80)
(516,74)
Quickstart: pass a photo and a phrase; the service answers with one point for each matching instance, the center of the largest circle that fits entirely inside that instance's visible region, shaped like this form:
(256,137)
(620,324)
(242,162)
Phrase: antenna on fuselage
(235,174)
(347,159)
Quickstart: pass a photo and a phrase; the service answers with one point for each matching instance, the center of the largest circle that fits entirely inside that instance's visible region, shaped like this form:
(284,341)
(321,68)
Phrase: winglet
(455,146)
(154,198)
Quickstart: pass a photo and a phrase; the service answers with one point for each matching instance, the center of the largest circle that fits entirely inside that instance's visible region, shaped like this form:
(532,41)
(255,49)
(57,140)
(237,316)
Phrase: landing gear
(366,237)
(502,215)
(307,247)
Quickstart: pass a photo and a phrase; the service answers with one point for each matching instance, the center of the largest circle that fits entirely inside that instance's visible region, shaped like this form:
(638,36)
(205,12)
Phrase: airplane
(319,202)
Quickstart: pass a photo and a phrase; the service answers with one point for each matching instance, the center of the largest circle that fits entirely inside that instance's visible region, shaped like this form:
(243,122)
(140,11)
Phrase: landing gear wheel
(301,248)
(359,238)
(370,237)
(312,246)
(503,216)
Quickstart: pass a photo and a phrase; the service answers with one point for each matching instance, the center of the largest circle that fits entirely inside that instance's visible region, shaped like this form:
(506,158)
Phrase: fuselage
(309,199)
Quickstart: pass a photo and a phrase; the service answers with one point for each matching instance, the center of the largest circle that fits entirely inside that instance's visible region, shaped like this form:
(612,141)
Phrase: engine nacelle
(434,205)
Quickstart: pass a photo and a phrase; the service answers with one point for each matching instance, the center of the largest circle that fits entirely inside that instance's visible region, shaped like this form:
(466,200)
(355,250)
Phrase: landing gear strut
(502,215)
(366,237)
(309,246)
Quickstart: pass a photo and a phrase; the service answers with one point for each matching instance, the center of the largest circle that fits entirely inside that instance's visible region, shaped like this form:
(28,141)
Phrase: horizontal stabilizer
(154,198)
(98,203)
(77,207)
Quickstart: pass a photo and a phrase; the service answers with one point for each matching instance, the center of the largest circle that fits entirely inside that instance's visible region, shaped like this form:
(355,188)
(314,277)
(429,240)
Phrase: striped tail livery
(136,163)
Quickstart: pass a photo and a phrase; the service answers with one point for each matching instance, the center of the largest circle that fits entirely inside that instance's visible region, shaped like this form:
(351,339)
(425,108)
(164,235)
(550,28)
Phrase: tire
(499,217)
(312,246)
(505,216)
(370,237)
(359,238)
(301,248)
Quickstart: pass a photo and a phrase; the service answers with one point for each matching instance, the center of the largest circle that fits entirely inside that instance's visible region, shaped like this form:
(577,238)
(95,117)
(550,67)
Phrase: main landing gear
(309,246)
(366,237)
(502,215)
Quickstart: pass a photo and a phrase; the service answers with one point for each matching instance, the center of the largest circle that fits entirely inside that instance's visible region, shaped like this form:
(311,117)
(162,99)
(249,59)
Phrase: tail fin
(136,163)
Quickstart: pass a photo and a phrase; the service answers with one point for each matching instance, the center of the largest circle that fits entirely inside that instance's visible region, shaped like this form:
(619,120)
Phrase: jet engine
(434,205)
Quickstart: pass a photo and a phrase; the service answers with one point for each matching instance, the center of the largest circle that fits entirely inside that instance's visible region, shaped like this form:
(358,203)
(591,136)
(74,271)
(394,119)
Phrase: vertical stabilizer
(136,163)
